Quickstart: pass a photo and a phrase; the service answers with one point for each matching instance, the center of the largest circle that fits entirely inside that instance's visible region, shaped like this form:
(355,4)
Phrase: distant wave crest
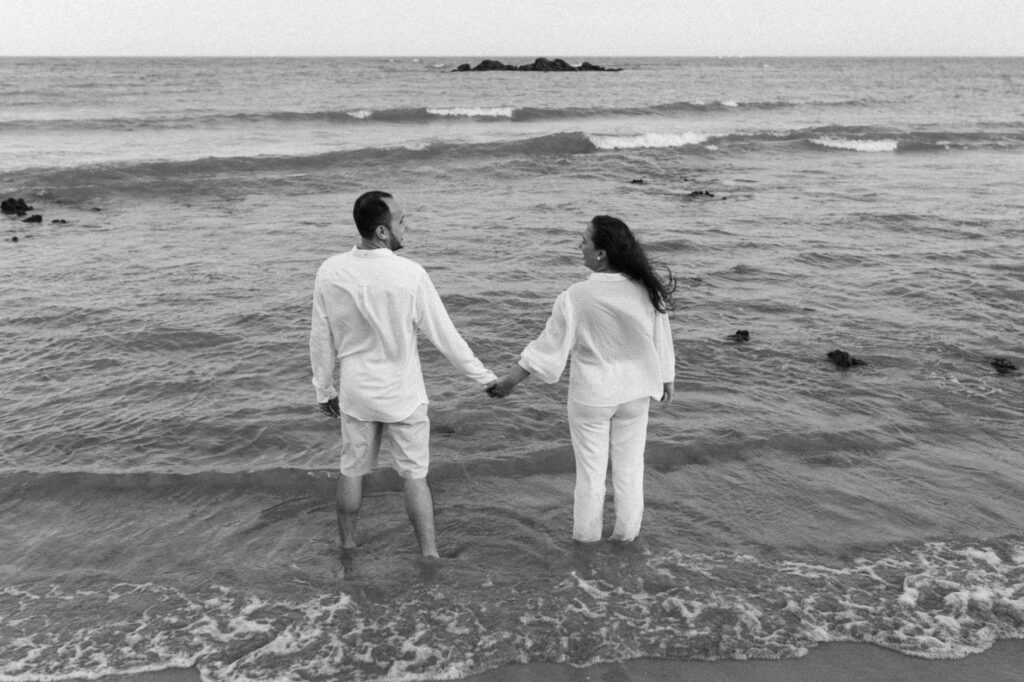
(883,145)
(473,112)
(406,115)
(647,140)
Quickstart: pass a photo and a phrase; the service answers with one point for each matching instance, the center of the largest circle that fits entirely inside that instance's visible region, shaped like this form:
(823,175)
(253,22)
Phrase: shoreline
(835,662)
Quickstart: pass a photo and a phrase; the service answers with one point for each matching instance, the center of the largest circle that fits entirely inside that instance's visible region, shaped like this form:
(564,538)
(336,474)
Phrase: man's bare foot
(430,566)
(347,555)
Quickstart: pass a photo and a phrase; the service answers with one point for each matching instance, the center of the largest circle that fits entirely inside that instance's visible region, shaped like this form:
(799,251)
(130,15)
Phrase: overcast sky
(495,28)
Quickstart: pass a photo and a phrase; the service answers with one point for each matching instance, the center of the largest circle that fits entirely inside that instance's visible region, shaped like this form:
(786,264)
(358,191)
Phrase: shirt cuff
(537,371)
(323,395)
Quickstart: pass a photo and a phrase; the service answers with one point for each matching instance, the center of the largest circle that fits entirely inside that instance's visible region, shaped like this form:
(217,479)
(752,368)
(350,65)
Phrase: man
(368,304)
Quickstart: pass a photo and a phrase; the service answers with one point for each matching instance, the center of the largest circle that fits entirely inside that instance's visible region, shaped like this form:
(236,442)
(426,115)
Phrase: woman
(615,326)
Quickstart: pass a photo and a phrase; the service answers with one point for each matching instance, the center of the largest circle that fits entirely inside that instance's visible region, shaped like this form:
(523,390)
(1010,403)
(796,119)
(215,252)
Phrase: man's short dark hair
(370,210)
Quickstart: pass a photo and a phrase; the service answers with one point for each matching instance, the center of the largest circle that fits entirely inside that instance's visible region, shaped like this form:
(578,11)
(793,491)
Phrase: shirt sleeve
(664,345)
(321,349)
(547,354)
(433,320)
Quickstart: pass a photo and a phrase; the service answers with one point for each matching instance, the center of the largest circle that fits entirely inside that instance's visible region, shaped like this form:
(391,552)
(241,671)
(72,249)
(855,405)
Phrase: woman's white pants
(618,432)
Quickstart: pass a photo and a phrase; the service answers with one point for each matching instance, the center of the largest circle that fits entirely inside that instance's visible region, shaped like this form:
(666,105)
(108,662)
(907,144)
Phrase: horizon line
(510,56)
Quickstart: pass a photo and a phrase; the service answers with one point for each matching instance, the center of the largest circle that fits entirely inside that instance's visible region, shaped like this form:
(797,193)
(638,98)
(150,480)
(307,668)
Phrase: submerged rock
(33,219)
(740,336)
(1003,366)
(843,360)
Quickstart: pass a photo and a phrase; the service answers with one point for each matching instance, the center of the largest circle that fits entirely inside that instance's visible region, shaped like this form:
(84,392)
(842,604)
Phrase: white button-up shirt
(367,308)
(621,346)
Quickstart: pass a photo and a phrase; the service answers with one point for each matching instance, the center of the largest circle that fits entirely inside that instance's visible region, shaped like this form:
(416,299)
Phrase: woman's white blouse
(621,347)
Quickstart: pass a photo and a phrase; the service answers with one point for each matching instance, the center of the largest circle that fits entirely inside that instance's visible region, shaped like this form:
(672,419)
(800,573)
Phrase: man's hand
(669,391)
(330,408)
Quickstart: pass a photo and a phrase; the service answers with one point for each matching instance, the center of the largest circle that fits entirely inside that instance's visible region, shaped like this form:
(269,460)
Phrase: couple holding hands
(613,328)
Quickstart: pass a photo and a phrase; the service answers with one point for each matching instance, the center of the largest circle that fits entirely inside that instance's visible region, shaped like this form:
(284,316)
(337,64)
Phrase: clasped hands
(500,388)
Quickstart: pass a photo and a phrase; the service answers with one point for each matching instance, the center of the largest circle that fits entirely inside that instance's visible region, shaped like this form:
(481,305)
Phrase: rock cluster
(15,206)
(843,360)
(539,64)
(19,207)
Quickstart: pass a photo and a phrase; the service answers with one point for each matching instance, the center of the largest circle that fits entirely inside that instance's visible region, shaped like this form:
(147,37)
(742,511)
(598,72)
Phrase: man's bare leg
(349,500)
(419,505)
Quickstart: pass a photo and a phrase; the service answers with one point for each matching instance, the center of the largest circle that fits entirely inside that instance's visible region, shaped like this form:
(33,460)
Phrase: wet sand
(832,662)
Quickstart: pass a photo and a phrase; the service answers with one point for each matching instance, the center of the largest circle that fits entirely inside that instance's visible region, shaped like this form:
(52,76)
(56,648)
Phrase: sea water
(167,483)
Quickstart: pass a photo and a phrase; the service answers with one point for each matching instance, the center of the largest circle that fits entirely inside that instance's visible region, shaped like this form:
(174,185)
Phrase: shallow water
(167,483)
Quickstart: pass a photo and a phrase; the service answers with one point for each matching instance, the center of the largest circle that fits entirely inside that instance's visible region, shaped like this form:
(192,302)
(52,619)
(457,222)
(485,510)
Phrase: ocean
(167,482)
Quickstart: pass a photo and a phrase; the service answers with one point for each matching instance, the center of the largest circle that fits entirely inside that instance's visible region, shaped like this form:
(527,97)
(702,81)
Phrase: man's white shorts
(409,438)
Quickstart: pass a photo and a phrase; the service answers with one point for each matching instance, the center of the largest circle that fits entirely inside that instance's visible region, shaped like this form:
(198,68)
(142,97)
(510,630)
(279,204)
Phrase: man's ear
(381,232)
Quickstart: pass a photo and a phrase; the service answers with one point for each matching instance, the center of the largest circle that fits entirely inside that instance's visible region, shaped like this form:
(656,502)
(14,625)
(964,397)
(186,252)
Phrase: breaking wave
(191,174)
(930,600)
(402,115)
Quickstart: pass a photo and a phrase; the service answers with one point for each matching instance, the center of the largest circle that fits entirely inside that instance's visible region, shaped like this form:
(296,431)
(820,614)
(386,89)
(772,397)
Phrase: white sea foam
(885,145)
(360,113)
(909,597)
(731,603)
(988,556)
(473,112)
(647,140)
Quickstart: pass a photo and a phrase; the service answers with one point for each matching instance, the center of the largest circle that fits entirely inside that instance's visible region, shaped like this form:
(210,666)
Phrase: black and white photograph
(606,341)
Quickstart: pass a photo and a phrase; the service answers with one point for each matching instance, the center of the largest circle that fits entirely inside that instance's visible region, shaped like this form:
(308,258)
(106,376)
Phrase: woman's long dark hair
(626,255)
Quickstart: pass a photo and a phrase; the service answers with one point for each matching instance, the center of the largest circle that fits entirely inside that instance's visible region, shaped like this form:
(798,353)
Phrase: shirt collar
(607,276)
(372,253)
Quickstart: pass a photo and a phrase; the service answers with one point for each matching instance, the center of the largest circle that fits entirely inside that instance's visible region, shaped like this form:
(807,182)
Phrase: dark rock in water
(487,65)
(59,221)
(13,205)
(33,219)
(701,193)
(542,64)
(843,360)
(636,181)
(740,336)
(539,64)
(587,66)
(14,239)
(1003,366)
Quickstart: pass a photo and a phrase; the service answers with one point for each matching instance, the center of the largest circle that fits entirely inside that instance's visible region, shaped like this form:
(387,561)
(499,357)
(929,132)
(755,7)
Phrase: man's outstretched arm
(437,325)
(321,357)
